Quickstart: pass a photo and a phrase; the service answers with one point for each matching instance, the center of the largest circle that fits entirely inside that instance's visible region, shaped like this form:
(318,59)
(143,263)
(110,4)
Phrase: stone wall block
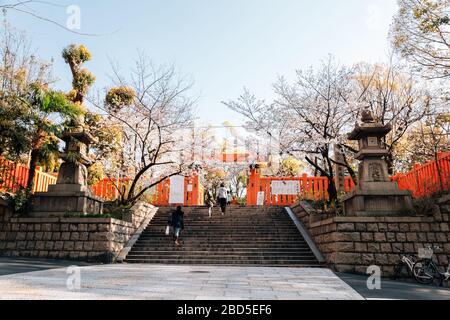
(344,246)
(367,259)
(373,247)
(348,236)
(347,258)
(69,245)
(393,227)
(381,259)
(360,247)
(379,237)
(411,236)
(345,227)
(366,236)
(385,247)
(397,247)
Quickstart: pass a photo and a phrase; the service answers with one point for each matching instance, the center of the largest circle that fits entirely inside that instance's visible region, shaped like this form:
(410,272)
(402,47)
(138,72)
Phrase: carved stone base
(378,202)
(60,203)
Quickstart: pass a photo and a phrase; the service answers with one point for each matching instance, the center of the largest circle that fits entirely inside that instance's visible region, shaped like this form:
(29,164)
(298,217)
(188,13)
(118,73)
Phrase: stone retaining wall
(86,239)
(351,244)
(5,211)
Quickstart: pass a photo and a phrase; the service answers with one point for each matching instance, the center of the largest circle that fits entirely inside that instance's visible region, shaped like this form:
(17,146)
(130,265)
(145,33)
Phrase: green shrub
(20,200)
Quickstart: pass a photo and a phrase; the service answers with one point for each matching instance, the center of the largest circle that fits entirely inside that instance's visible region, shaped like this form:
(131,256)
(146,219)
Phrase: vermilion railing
(424,179)
(312,188)
(193,192)
(108,189)
(15,175)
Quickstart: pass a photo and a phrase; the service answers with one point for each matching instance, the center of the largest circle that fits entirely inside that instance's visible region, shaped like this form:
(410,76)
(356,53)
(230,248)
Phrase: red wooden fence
(312,188)
(423,180)
(15,175)
(108,189)
(193,195)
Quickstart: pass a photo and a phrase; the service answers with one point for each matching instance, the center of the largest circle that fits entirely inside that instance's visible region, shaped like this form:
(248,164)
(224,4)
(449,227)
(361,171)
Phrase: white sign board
(260,198)
(176,194)
(290,188)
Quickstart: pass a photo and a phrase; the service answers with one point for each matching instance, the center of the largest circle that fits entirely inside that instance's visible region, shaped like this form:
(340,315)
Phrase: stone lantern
(71,193)
(375,194)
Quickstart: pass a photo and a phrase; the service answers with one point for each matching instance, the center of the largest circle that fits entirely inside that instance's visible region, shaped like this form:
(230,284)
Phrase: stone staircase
(252,236)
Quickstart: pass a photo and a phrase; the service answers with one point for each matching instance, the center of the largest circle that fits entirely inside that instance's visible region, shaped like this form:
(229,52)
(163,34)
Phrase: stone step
(220,220)
(221,232)
(237,235)
(242,224)
(224,245)
(236,258)
(216,246)
(296,263)
(221,250)
(237,255)
(243,236)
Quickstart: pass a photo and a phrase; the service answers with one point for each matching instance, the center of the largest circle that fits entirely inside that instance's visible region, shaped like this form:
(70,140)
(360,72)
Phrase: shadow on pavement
(391,289)
(21,265)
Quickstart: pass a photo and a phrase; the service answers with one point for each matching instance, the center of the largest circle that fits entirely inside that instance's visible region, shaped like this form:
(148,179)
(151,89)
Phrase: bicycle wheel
(423,273)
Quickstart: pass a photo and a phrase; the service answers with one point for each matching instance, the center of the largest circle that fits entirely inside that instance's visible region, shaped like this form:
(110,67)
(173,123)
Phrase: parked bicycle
(426,271)
(407,261)
(423,269)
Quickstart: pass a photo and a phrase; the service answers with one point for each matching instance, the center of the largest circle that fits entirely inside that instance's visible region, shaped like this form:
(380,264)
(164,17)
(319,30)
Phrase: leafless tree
(421,33)
(395,97)
(152,124)
(308,116)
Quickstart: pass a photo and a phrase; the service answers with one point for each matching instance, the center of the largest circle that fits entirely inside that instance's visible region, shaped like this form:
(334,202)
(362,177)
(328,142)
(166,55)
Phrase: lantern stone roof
(369,129)
(82,136)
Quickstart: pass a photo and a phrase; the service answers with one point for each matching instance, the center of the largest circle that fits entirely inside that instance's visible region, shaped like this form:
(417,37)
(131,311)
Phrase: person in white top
(223,198)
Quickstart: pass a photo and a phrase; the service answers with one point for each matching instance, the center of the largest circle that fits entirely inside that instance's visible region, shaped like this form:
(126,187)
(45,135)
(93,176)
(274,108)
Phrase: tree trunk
(439,173)
(332,191)
(34,157)
(390,164)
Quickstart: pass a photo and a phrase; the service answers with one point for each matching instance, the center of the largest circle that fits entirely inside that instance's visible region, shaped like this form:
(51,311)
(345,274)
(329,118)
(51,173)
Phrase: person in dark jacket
(177,223)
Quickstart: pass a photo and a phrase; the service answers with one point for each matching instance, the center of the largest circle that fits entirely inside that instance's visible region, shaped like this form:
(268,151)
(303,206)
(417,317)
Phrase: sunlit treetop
(76,54)
(83,79)
(118,97)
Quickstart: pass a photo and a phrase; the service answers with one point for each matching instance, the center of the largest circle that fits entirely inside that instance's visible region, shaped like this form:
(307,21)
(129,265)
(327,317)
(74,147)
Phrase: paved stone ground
(128,281)
(395,290)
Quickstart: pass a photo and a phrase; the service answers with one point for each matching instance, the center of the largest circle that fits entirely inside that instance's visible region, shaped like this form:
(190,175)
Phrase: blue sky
(223,45)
